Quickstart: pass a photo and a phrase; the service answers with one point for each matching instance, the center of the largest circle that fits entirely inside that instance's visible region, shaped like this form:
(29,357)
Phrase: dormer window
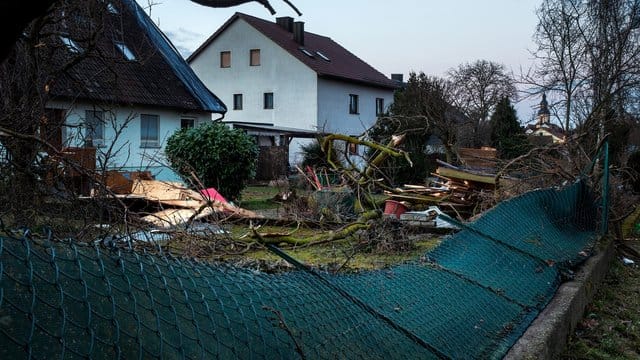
(126,52)
(70,44)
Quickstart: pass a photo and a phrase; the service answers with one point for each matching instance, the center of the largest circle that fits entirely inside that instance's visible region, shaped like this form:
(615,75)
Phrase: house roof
(278,130)
(551,129)
(342,64)
(156,76)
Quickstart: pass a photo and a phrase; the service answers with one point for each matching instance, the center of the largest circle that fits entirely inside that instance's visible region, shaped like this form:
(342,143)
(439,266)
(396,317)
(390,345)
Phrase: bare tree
(562,56)
(589,62)
(477,89)
(421,109)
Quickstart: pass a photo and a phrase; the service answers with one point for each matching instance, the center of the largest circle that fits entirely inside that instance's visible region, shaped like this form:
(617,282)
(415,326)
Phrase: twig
(283,325)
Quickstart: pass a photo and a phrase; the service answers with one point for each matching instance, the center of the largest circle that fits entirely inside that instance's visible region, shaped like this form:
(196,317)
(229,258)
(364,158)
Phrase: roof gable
(328,58)
(132,62)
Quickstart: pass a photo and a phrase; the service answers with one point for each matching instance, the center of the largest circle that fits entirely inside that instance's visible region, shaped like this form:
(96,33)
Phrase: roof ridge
(342,66)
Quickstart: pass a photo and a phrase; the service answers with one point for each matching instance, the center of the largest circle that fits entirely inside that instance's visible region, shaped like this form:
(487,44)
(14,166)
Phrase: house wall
(333,109)
(301,99)
(333,106)
(293,84)
(122,148)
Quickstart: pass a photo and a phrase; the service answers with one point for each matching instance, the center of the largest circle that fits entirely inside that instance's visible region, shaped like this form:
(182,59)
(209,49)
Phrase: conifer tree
(506,133)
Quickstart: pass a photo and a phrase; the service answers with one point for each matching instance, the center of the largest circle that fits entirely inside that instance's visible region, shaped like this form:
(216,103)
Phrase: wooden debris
(483,158)
(456,190)
(178,203)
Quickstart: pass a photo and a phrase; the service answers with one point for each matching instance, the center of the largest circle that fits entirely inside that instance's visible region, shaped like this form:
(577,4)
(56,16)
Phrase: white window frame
(268,101)
(354,106)
(237,105)
(145,140)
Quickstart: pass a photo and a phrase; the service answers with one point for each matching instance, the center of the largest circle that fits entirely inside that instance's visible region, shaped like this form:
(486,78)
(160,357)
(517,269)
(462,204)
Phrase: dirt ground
(610,328)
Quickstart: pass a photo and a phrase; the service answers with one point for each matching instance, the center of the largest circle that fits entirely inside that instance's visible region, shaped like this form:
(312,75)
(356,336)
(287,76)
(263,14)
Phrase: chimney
(285,22)
(397,77)
(298,32)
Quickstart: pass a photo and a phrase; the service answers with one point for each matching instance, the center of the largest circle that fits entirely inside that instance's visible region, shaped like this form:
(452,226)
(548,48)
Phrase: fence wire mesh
(471,297)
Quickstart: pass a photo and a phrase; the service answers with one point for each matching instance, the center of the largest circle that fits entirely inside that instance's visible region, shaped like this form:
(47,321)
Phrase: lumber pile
(482,158)
(454,190)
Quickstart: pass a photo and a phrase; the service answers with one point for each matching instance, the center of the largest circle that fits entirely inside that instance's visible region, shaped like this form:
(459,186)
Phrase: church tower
(543,113)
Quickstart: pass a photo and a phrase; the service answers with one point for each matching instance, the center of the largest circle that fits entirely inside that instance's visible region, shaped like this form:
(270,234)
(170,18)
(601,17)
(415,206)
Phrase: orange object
(392,207)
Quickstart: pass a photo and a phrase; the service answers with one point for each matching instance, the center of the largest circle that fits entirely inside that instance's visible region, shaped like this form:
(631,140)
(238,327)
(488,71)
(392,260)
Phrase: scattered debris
(428,218)
(178,204)
(454,190)
(628,261)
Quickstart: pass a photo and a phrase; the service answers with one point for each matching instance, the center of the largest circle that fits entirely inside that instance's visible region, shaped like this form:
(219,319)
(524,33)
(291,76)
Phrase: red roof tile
(343,65)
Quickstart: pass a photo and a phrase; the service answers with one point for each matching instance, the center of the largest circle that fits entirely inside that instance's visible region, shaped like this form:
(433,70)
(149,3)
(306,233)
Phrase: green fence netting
(471,297)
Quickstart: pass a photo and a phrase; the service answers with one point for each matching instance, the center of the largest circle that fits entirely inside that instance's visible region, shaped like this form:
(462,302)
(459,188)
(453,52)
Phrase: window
(353,104)
(352,148)
(268,100)
(225,59)
(254,57)
(237,101)
(70,44)
(379,106)
(94,124)
(126,52)
(149,130)
(187,123)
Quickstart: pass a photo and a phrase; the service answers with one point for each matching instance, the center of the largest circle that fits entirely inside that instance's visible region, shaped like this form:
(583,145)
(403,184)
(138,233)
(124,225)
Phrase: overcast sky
(394,36)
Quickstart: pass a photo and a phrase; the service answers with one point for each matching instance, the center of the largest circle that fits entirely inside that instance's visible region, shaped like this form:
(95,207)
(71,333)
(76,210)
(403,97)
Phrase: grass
(610,328)
(258,198)
(346,254)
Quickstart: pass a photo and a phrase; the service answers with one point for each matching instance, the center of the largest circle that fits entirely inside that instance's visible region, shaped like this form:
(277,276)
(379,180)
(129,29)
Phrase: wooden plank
(189,204)
(163,190)
(174,217)
(452,173)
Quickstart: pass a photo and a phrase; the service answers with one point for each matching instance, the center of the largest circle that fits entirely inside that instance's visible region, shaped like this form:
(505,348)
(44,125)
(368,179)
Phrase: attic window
(323,56)
(70,44)
(128,54)
(306,52)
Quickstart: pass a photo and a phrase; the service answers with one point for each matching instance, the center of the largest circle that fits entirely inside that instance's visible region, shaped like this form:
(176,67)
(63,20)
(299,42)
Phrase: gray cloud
(184,40)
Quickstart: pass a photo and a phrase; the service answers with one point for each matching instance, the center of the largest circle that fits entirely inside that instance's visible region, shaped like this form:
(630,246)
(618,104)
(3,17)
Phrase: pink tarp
(213,195)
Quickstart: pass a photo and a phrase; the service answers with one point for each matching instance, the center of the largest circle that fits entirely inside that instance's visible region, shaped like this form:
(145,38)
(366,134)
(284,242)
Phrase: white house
(275,76)
(129,91)
(545,132)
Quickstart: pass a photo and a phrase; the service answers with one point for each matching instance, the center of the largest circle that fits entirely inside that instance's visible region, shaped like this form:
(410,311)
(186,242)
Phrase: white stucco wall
(301,99)
(124,151)
(293,84)
(333,106)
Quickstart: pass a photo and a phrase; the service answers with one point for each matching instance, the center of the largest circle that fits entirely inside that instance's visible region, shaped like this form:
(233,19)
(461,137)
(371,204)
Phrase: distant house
(283,82)
(544,132)
(129,91)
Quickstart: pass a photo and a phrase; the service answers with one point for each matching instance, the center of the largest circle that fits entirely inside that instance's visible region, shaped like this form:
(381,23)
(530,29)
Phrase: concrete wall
(122,147)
